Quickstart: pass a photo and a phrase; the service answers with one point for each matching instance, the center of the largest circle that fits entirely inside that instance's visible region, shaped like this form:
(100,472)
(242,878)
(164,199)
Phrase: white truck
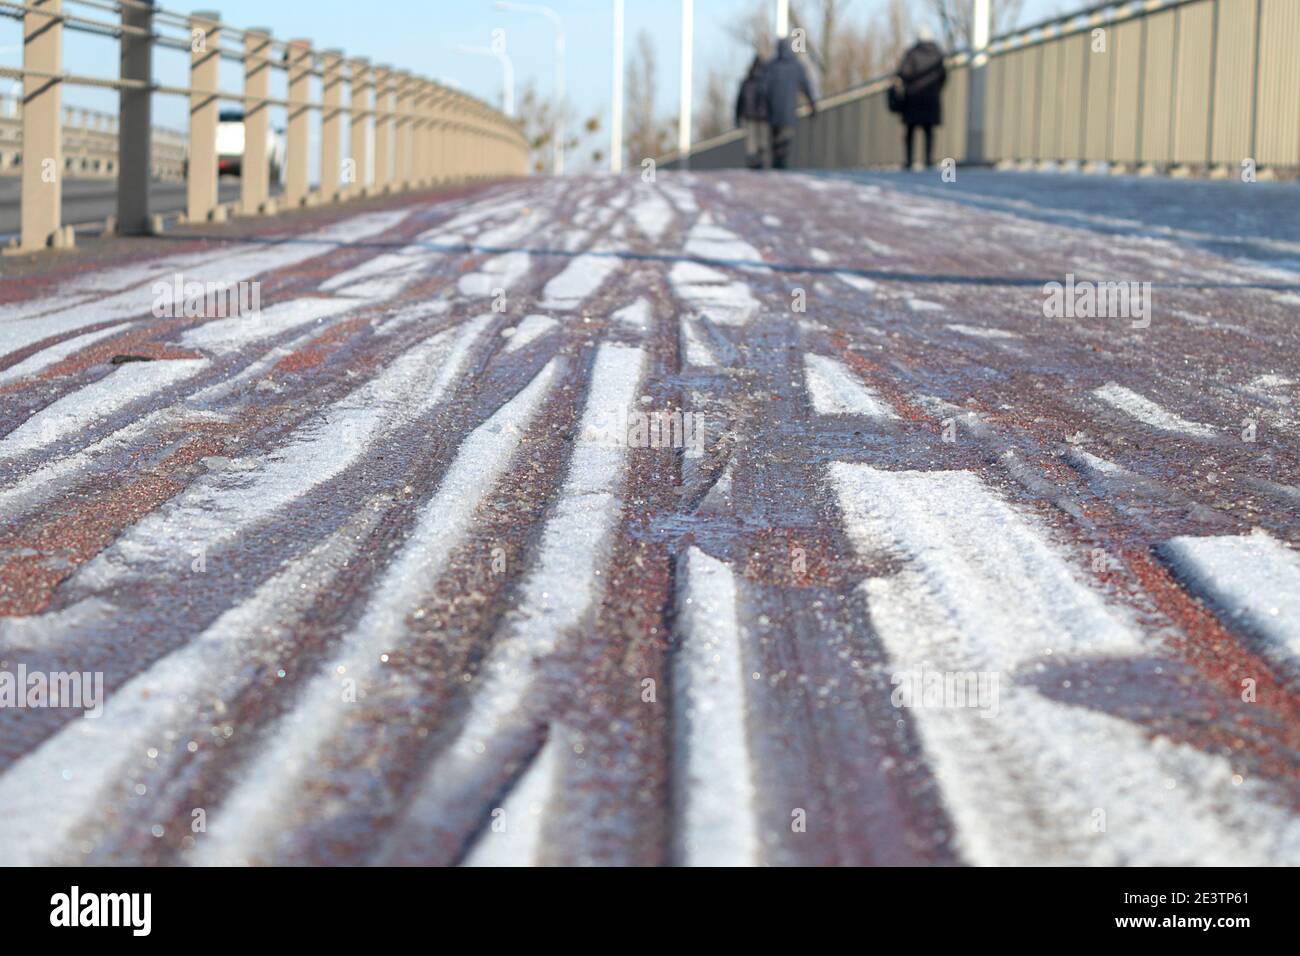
(230,146)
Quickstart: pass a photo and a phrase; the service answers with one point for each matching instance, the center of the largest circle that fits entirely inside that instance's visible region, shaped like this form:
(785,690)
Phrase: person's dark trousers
(782,140)
(928,131)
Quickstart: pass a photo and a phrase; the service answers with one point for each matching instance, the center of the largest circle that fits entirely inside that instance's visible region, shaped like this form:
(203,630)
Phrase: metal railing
(1166,85)
(424,133)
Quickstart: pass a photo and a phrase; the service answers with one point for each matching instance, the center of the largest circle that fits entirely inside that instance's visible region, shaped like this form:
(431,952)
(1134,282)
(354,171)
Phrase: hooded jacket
(783,81)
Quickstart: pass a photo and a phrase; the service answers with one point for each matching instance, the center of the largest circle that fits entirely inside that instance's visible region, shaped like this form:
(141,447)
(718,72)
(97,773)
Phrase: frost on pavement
(723,519)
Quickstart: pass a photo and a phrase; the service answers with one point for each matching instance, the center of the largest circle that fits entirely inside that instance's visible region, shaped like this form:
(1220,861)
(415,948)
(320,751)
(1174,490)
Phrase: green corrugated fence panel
(1158,90)
(1234,81)
(1100,68)
(1126,91)
(889,144)
(1031,86)
(1013,84)
(1049,102)
(1192,82)
(950,139)
(1277,120)
(994,72)
(1074,51)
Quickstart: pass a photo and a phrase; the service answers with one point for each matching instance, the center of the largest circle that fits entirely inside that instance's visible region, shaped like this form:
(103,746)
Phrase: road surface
(727,519)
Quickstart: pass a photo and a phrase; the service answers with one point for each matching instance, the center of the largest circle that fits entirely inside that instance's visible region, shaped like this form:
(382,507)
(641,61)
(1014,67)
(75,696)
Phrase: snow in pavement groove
(65,781)
(711,293)
(383,277)
(43,359)
(81,409)
(113,279)
(944,516)
(694,348)
(233,333)
(637,316)
(254,259)
(714,788)
(443,521)
(561,587)
(210,510)
(707,240)
(1148,412)
(981,332)
(1252,580)
(499,272)
(523,815)
(1024,777)
(681,197)
(835,390)
(46,480)
(388,275)
(222,335)
(861,283)
(651,213)
(514,230)
(581,278)
(530,328)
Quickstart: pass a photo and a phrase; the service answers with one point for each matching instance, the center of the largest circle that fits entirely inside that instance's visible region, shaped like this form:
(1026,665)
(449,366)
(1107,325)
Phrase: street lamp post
(688,56)
(498,52)
(616,120)
(559,70)
(978,81)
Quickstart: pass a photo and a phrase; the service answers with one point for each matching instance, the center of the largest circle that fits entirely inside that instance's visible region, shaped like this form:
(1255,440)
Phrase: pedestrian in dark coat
(783,81)
(920,79)
(751,114)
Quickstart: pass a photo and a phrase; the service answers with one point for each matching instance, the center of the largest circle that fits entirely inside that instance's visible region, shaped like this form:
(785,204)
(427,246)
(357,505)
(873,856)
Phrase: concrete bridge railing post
(447,152)
(331,124)
(423,128)
(362,87)
(297,187)
(42,175)
(441,172)
(135,123)
(254,174)
(435,134)
(384,105)
(205,105)
(404,161)
(480,143)
(451,136)
(461,140)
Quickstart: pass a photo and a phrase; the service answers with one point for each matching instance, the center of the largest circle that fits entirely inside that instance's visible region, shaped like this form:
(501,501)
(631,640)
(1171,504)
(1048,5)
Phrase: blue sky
(423,35)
